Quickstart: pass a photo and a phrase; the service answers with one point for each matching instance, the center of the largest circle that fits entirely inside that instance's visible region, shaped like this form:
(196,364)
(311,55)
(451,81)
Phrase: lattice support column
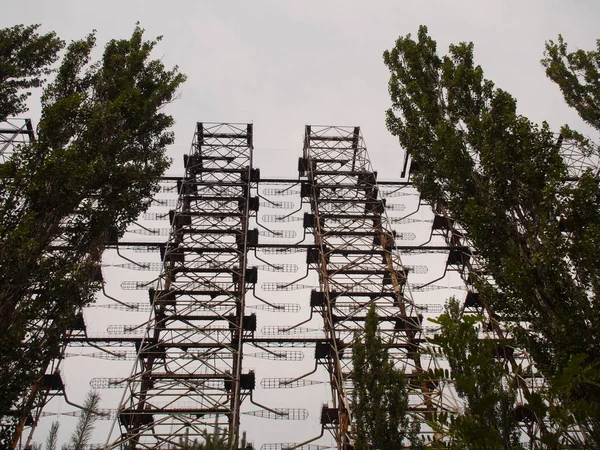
(358,266)
(14,132)
(189,375)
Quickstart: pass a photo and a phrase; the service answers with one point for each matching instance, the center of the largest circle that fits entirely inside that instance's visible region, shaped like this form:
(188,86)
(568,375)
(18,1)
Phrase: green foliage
(218,440)
(85,426)
(479,374)
(25,58)
(380,398)
(577,74)
(52,438)
(82,433)
(503,179)
(93,169)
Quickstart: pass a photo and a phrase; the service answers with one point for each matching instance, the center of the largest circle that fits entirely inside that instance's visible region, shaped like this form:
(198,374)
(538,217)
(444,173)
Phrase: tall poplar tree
(576,74)
(93,168)
(26,57)
(535,227)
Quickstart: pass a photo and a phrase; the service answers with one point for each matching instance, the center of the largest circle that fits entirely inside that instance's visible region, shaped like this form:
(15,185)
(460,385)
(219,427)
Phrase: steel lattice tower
(190,362)
(358,266)
(14,132)
(209,315)
(189,374)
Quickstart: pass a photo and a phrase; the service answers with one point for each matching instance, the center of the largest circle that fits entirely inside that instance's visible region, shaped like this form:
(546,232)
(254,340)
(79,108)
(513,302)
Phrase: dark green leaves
(25,58)
(577,74)
(380,398)
(94,168)
(532,219)
(479,373)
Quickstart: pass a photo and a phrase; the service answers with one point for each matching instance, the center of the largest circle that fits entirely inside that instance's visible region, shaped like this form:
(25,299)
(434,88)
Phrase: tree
(25,57)
(85,426)
(380,398)
(481,379)
(503,180)
(52,438)
(217,440)
(94,167)
(576,74)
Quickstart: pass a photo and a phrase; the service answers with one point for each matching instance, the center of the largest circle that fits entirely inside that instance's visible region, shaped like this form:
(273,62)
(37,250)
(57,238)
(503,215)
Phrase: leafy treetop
(26,58)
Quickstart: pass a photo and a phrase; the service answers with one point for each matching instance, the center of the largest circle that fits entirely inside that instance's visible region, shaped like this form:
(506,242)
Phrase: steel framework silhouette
(190,375)
(252,272)
(230,290)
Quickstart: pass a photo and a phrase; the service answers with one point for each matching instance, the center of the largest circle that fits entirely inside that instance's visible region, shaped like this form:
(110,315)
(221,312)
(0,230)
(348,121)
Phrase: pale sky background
(283,64)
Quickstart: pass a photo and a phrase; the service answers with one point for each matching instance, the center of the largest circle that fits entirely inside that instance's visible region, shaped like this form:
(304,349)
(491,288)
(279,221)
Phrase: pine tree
(85,426)
(52,438)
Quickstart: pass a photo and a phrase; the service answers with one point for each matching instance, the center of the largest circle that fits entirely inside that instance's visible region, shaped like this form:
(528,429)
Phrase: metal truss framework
(14,132)
(189,371)
(358,266)
(189,376)
(206,303)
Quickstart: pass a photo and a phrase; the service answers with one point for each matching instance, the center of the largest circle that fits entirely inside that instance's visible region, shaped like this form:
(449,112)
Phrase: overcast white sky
(284,64)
